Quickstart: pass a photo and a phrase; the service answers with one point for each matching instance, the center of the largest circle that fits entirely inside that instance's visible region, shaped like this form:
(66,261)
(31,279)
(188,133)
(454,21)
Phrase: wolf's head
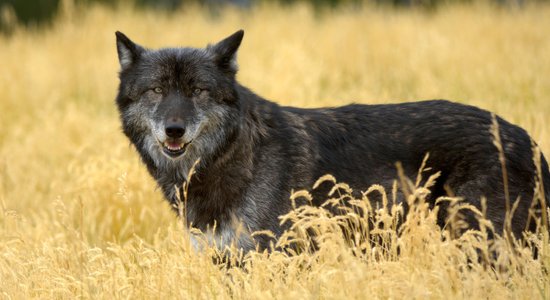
(178,104)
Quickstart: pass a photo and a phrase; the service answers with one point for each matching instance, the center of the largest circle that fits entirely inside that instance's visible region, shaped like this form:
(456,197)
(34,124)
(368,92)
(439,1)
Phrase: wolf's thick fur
(181,104)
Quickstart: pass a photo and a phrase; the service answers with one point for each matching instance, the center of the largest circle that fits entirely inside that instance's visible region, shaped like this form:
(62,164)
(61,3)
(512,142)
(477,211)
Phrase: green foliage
(33,13)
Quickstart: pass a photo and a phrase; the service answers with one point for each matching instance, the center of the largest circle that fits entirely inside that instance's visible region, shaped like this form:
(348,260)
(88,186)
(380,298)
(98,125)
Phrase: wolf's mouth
(174,148)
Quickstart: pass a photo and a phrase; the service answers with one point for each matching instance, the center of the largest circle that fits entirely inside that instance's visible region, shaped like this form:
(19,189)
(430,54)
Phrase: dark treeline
(37,12)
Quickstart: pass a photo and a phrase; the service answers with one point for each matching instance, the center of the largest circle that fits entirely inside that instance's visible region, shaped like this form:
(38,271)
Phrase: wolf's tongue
(174,144)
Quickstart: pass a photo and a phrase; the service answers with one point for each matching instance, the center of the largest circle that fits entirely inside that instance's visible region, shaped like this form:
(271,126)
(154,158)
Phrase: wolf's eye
(197,92)
(157,90)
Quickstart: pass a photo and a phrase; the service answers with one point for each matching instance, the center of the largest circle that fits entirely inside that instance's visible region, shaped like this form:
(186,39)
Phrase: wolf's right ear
(128,51)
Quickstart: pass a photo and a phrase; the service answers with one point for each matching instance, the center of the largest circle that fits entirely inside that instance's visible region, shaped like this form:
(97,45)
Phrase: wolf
(183,109)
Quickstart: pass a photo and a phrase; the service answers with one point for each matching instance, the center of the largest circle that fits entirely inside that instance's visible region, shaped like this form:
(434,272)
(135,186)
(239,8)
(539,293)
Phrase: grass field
(80,217)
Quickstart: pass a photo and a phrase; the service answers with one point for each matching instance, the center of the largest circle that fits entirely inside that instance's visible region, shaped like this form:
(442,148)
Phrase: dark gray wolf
(181,104)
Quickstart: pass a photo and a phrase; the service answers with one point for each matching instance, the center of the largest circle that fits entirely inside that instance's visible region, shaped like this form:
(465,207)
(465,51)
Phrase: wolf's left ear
(225,52)
(128,51)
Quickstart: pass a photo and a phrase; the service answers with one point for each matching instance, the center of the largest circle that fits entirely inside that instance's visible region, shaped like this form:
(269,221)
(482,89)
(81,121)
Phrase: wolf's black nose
(174,130)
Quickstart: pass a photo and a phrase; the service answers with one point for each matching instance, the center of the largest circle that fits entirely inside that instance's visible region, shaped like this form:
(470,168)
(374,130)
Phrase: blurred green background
(36,13)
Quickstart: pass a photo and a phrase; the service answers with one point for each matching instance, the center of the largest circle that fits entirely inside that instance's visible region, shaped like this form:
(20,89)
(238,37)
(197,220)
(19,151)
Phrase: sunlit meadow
(80,216)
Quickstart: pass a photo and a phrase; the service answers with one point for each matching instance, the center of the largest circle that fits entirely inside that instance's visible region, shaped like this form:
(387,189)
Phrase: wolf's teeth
(172,148)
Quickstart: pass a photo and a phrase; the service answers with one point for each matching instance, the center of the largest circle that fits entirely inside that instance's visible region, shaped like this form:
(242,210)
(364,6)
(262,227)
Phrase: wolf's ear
(128,51)
(225,52)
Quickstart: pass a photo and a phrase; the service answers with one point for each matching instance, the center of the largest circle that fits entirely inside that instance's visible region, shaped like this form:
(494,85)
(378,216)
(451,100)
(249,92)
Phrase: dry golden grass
(80,217)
